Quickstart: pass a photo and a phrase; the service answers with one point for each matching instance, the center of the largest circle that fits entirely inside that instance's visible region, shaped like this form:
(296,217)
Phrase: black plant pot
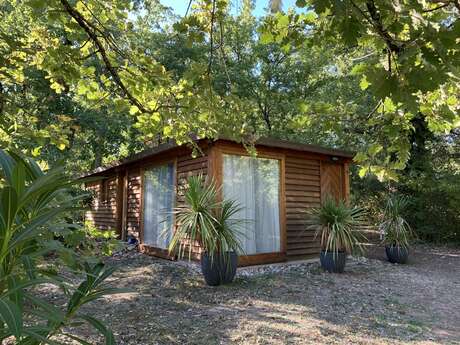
(220,270)
(397,254)
(333,262)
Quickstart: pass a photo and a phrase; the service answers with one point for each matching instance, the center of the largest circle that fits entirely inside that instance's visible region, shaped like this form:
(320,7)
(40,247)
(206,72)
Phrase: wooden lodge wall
(133,214)
(307,183)
(103,214)
(303,191)
(308,179)
(104,204)
(187,166)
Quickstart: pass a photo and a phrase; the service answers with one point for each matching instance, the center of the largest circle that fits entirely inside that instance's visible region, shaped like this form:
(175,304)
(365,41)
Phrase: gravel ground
(374,302)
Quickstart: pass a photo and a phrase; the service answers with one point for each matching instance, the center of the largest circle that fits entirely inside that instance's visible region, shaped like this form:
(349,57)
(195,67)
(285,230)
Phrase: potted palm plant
(395,230)
(211,222)
(336,224)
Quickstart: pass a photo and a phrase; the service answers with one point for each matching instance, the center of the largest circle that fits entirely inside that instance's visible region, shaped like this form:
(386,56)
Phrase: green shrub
(89,241)
(434,209)
(395,229)
(336,224)
(31,207)
(434,203)
(206,219)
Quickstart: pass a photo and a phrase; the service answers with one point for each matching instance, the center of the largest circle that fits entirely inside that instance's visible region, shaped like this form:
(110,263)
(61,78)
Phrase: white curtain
(255,184)
(158,204)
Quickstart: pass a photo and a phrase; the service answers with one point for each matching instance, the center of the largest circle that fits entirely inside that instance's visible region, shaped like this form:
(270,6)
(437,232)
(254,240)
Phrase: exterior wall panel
(303,191)
(306,179)
(133,221)
(104,204)
(332,180)
(188,166)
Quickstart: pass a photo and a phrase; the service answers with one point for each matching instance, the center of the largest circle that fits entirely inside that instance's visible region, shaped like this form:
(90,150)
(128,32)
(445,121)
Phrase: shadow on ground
(374,302)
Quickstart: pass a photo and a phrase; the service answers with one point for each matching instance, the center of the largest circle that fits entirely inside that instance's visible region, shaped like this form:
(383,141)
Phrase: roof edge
(270,142)
(264,141)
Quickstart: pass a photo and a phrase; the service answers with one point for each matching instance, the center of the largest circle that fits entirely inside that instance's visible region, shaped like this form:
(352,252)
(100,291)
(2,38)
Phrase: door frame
(145,248)
(216,170)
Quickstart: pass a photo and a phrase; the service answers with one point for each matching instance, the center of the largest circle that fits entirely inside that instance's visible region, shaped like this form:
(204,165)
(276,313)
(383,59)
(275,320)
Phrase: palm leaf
(206,220)
(107,333)
(12,316)
(337,225)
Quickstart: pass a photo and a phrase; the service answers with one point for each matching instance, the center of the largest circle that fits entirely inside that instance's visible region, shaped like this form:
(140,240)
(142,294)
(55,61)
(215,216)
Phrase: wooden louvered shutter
(332,180)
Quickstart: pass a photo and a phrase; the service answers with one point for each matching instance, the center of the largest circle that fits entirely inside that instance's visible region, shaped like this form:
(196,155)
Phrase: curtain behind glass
(158,204)
(254,183)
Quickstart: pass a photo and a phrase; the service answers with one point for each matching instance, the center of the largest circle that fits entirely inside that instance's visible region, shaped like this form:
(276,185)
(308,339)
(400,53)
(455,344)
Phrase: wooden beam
(260,259)
(282,205)
(124,217)
(346,182)
(119,205)
(159,252)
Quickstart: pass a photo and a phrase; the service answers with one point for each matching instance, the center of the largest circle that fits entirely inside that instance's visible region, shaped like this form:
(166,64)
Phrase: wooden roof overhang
(150,153)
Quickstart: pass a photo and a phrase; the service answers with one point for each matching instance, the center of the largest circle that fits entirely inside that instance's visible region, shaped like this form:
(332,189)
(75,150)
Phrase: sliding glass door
(158,205)
(255,184)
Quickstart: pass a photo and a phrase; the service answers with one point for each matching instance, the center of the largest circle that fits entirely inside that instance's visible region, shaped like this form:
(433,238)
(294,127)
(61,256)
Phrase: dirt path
(374,302)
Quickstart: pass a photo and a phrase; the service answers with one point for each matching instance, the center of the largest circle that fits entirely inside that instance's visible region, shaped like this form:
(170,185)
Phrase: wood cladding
(104,204)
(187,166)
(303,191)
(332,180)
(306,179)
(133,213)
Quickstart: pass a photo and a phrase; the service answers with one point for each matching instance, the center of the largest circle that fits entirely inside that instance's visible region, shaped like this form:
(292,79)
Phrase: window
(158,204)
(104,196)
(255,184)
(107,192)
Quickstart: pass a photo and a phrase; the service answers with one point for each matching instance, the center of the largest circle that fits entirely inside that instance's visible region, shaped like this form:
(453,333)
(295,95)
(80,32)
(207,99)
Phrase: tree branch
(381,30)
(87,27)
(211,38)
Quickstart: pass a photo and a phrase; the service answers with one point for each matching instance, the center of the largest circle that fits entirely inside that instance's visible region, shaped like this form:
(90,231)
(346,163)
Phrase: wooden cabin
(275,188)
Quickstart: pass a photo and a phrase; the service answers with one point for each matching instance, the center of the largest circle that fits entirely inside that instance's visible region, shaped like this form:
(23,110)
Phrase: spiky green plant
(337,226)
(31,202)
(207,220)
(395,230)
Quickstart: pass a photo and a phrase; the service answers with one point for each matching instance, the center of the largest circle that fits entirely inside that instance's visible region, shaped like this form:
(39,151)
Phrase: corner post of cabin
(283,214)
(215,164)
(124,214)
(346,181)
(120,203)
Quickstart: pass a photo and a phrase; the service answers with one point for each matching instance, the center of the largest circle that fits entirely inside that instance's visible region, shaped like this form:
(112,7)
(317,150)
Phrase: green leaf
(283,20)
(12,316)
(29,266)
(75,300)
(104,274)
(17,296)
(266,37)
(57,87)
(102,293)
(31,228)
(38,335)
(374,149)
(6,165)
(37,4)
(50,311)
(363,171)
(364,84)
(9,201)
(73,337)
(389,105)
(133,110)
(360,157)
(107,333)
(301,3)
